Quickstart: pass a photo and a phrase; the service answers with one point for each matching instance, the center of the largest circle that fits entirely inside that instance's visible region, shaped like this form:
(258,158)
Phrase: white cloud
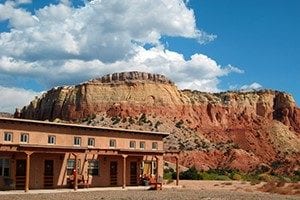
(11,98)
(17,17)
(23,1)
(199,72)
(61,44)
(251,87)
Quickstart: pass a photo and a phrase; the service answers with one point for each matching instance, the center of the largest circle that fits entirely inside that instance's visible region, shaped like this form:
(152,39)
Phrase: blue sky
(208,45)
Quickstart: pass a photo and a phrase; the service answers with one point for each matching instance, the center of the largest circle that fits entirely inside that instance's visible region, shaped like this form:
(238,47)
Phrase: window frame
(94,168)
(144,145)
(154,145)
(93,142)
(6,134)
(51,138)
(70,168)
(77,139)
(5,165)
(112,141)
(24,138)
(134,144)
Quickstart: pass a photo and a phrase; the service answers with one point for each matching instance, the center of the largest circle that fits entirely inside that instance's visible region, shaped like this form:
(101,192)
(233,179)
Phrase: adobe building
(39,154)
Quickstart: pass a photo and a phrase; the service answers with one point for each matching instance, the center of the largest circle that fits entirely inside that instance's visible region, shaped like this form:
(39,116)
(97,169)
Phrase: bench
(155,184)
(80,180)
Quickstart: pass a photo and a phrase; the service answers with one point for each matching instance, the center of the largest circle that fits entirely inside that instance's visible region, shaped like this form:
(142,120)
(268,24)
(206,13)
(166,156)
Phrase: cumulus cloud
(17,17)
(15,97)
(60,44)
(199,72)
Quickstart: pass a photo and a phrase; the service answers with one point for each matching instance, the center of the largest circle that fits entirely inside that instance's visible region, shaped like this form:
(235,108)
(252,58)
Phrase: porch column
(28,154)
(157,169)
(177,170)
(75,174)
(124,170)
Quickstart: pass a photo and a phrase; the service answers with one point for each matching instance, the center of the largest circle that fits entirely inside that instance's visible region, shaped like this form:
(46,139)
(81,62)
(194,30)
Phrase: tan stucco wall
(60,169)
(38,135)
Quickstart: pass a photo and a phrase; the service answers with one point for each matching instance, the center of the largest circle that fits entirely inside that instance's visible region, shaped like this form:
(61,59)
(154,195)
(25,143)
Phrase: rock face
(243,129)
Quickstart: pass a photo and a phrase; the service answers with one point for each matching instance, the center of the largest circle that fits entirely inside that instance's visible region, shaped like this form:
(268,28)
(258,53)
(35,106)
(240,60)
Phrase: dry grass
(281,188)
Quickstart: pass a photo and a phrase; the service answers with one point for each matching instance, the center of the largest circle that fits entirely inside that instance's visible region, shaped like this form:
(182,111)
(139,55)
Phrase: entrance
(20,174)
(48,174)
(133,173)
(113,173)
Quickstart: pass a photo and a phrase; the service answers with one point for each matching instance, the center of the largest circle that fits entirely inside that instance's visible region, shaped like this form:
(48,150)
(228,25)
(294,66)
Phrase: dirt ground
(213,190)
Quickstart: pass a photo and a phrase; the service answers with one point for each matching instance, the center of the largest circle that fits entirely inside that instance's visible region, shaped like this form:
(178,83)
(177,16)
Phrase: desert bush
(131,120)
(237,177)
(115,120)
(157,124)
(190,174)
(267,178)
(179,124)
(143,118)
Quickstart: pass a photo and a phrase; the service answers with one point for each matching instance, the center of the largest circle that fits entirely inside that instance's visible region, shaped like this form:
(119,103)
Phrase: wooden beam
(27,178)
(124,170)
(177,170)
(75,172)
(157,172)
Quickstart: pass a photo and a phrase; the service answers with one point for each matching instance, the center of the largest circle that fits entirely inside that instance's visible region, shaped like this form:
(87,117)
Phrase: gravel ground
(172,194)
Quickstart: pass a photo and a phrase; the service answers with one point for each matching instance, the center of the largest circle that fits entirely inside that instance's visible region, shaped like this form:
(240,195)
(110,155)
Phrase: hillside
(237,130)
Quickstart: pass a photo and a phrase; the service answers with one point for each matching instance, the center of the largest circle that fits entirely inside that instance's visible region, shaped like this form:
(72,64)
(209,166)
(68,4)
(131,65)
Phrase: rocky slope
(241,130)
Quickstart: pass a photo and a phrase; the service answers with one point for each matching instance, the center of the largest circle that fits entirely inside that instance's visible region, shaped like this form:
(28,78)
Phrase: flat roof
(81,126)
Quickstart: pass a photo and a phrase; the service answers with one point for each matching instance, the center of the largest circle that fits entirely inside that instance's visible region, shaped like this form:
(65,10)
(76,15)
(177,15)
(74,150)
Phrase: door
(113,173)
(133,173)
(48,174)
(20,174)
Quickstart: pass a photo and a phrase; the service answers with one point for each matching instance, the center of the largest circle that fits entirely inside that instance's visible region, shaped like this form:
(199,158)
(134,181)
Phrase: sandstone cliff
(239,130)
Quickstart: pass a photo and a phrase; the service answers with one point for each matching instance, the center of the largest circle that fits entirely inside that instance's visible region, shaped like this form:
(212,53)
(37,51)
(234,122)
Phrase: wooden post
(177,170)
(124,171)
(157,172)
(76,172)
(27,178)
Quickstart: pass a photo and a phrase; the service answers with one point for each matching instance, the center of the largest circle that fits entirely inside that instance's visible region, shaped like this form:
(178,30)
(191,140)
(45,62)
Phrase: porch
(42,167)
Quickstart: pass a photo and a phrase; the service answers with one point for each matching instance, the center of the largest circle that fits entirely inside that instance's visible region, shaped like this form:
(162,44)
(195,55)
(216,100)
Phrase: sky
(206,45)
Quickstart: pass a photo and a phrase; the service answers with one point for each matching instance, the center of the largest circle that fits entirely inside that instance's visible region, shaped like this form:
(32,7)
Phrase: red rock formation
(262,124)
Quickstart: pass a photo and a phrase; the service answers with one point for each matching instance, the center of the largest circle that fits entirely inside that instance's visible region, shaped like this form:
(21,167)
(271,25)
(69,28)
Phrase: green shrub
(237,177)
(143,118)
(179,124)
(158,123)
(131,120)
(190,174)
(115,120)
(267,178)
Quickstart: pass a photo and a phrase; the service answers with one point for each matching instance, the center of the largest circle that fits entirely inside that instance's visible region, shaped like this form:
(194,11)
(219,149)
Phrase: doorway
(113,173)
(48,174)
(133,173)
(20,174)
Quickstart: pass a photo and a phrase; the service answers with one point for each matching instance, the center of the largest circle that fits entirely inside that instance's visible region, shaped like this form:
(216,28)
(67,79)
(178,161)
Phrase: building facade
(38,154)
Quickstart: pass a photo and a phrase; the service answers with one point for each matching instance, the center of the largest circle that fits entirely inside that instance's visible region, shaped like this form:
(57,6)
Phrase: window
(51,139)
(94,167)
(132,144)
(4,167)
(112,143)
(71,166)
(154,145)
(77,141)
(91,142)
(24,138)
(142,145)
(8,137)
